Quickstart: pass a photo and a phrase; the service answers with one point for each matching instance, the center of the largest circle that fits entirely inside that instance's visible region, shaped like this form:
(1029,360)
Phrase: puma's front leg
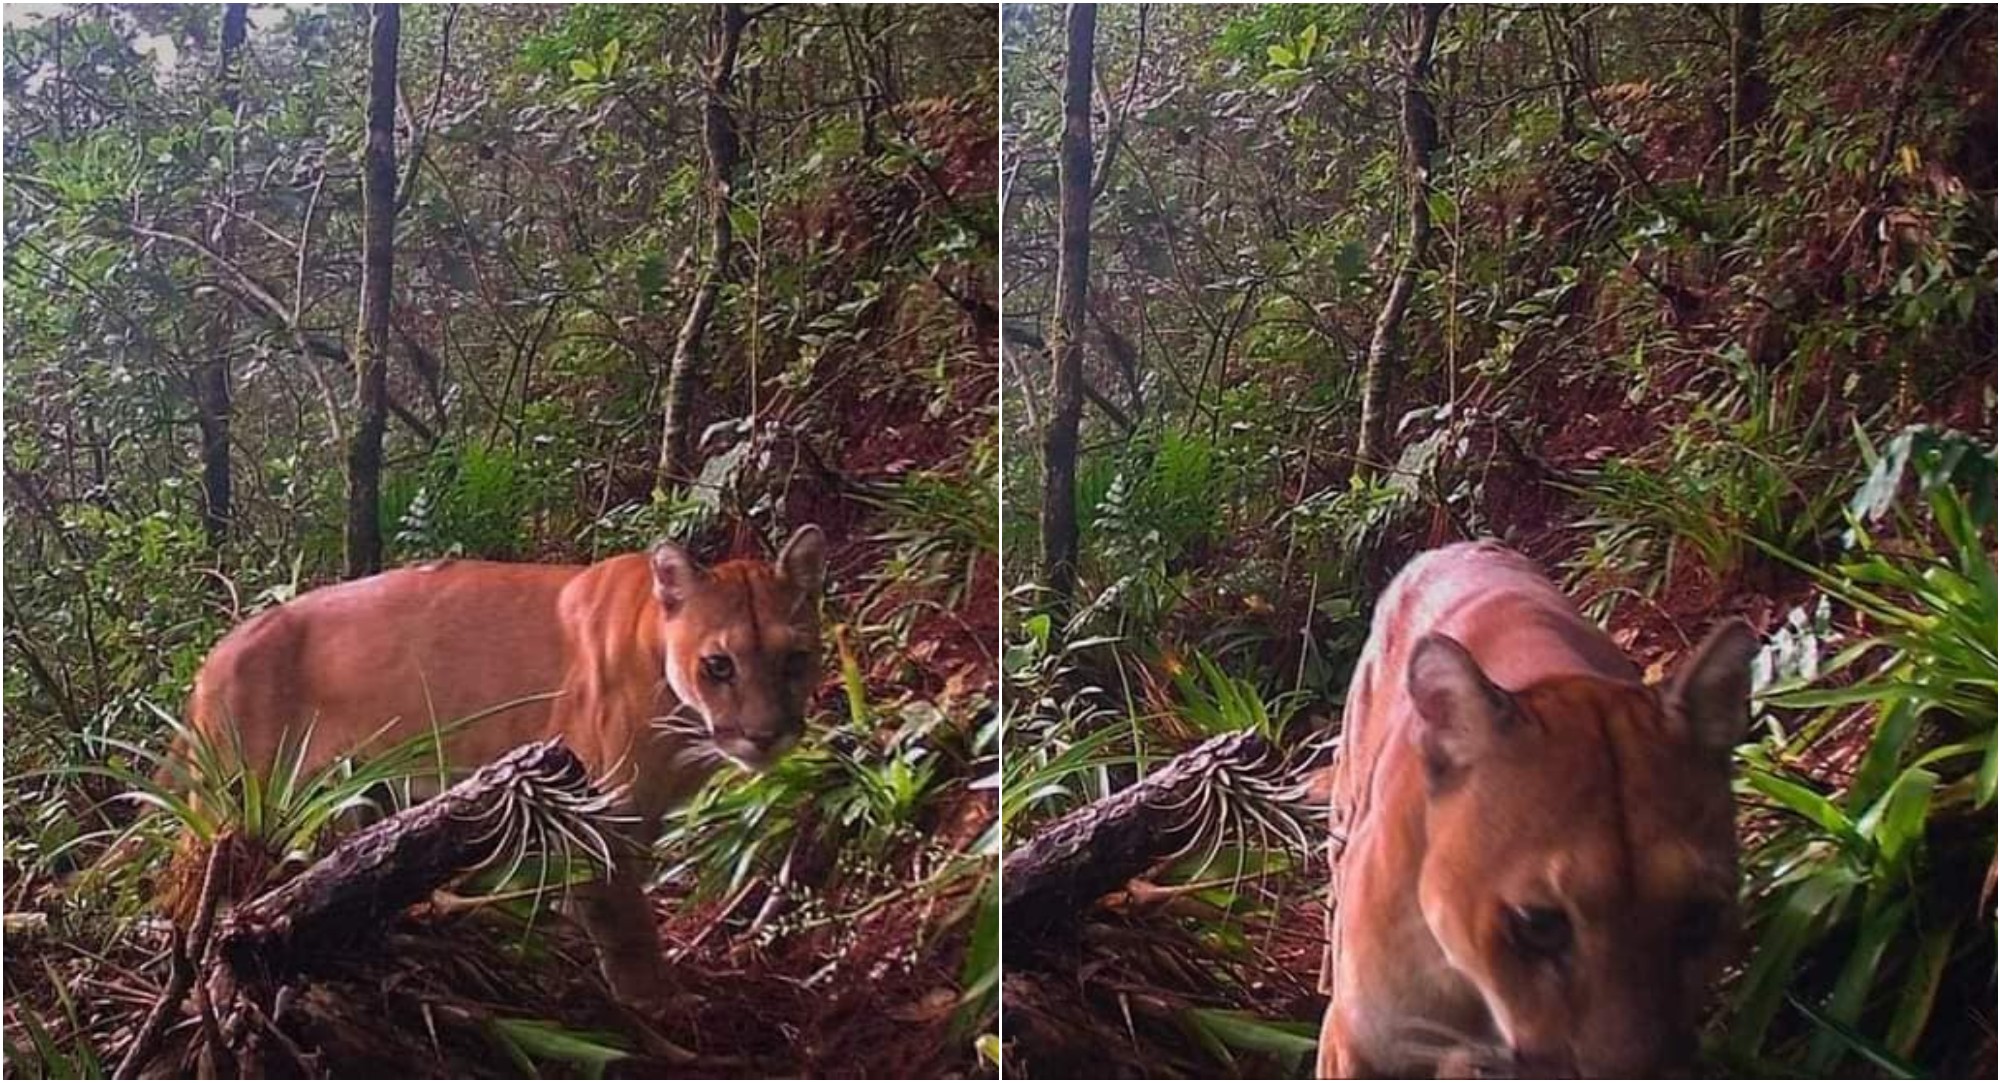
(1338,1057)
(619,919)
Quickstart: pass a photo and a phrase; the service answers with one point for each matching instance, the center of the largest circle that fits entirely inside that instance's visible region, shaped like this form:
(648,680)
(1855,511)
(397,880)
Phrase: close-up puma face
(1582,870)
(743,645)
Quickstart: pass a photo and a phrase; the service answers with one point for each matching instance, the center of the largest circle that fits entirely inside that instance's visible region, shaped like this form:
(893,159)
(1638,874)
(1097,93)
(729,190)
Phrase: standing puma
(1534,853)
(661,669)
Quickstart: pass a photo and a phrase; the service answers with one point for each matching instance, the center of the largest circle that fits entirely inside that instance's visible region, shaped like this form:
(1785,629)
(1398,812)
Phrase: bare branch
(406,186)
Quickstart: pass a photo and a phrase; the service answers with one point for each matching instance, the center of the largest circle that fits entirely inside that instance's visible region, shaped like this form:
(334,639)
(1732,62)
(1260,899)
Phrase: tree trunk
(857,34)
(1749,91)
(723,148)
(1059,439)
(211,391)
(1420,136)
(1050,883)
(1562,64)
(371,354)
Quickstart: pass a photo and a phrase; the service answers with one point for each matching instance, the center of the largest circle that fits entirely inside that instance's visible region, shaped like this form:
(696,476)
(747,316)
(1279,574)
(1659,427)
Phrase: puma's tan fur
(660,669)
(1535,855)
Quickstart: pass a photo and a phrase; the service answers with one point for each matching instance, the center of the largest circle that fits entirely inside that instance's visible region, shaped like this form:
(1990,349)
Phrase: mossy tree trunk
(371,356)
(1420,138)
(722,149)
(211,382)
(1059,438)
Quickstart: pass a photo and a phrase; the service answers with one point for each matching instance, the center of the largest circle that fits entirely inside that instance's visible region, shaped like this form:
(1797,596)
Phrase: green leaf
(1858,974)
(1288,1042)
(532,1040)
(1350,260)
(1918,996)
(1989,773)
(980,974)
(650,276)
(1282,56)
(1444,209)
(1038,628)
(1797,923)
(1875,1054)
(583,70)
(1797,798)
(1896,823)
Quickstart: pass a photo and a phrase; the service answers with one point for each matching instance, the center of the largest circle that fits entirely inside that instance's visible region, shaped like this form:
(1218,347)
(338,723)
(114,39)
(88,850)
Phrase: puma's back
(393,654)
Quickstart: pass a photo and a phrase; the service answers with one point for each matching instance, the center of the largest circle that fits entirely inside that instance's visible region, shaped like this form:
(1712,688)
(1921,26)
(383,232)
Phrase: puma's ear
(675,574)
(803,559)
(1459,711)
(1710,694)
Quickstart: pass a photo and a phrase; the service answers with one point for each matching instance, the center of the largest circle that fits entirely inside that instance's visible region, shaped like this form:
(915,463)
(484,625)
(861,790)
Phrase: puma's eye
(1698,927)
(718,667)
(1541,931)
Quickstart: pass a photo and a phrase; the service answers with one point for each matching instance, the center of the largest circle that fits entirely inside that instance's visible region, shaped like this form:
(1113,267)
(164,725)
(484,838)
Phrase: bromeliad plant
(200,789)
(1885,871)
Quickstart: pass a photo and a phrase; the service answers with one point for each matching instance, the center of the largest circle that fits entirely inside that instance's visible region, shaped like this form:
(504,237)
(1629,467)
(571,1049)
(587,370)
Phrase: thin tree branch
(1101,175)
(406,186)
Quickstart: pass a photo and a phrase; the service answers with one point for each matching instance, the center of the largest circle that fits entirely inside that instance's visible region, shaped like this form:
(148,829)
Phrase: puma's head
(1581,865)
(742,643)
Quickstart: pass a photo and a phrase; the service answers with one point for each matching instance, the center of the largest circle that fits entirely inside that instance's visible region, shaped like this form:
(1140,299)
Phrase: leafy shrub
(1877,875)
(1146,511)
(939,524)
(1352,518)
(475,500)
(1063,735)
(1738,472)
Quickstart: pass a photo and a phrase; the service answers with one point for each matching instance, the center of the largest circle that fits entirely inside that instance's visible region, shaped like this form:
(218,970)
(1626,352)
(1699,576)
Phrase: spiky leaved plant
(1865,891)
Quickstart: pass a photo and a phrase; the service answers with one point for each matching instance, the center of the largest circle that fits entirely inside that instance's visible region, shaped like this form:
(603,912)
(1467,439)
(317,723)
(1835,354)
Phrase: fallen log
(354,892)
(1050,883)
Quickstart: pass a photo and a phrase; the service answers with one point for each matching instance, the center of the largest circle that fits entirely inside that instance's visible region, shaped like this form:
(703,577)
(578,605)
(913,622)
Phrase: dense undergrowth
(834,916)
(1693,372)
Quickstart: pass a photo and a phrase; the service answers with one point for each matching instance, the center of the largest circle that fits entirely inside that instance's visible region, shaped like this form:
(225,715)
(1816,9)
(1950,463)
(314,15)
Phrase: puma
(660,670)
(1535,868)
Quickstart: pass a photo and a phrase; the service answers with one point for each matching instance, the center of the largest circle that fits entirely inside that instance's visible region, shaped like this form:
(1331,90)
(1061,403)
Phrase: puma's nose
(764,742)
